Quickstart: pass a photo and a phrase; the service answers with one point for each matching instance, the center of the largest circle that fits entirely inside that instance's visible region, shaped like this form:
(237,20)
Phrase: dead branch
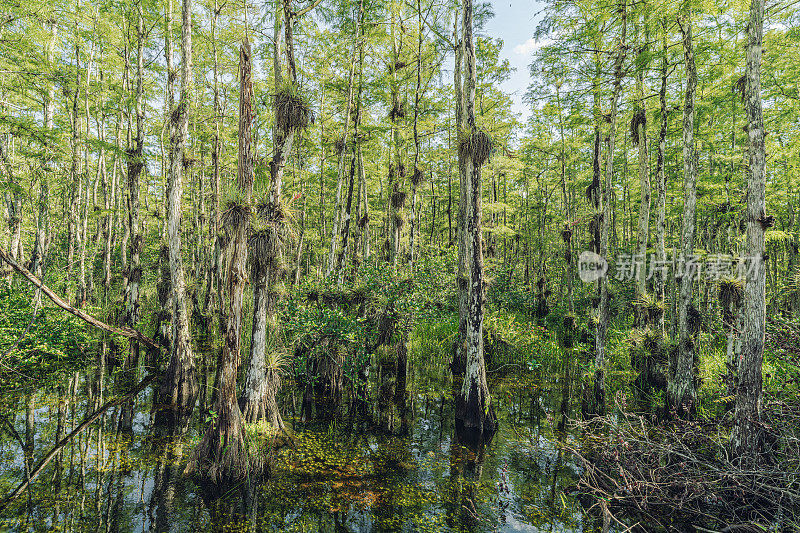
(89,319)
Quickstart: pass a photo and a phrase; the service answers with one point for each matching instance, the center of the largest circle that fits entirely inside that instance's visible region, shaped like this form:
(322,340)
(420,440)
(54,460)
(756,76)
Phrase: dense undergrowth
(632,458)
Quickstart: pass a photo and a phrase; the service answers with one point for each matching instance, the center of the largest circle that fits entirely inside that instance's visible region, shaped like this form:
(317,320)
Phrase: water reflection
(120,476)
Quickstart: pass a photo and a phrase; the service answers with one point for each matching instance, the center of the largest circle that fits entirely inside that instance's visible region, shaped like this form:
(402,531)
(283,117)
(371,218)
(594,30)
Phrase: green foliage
(38,349)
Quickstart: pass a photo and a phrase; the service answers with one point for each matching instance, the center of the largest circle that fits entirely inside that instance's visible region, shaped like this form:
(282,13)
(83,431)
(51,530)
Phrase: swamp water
(337,477)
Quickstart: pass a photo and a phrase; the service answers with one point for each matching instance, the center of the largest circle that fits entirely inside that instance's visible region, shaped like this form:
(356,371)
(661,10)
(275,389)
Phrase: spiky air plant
(292,113)
(731,295)
(398,198)
(417,177)
(262,244)
(477,146)
(235,215)
(639,118)
(398,112)
(695,320)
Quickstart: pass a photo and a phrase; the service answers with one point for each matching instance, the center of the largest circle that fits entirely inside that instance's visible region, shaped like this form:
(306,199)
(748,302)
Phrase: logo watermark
(591,266)
(711,267)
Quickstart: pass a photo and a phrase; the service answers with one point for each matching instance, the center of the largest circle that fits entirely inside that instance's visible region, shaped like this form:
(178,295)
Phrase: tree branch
(124,331)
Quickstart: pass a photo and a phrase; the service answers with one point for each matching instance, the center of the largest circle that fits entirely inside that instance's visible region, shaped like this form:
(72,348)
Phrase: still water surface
(340,477)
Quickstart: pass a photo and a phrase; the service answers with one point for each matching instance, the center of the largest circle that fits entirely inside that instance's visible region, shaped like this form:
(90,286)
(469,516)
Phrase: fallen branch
(63,442)
(89,319)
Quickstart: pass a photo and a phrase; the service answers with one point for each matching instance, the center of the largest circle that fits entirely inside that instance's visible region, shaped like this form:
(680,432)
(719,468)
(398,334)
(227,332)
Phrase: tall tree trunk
(603,311)
(42,221)
(746,437)
(75,186)
(339,214)
(475,417)
(135,167)
(417,175)
(223,451)
(262,381)
(681,392)
(640,139)
(363,220)
(397,170)
(215,274)
(179,387)
(459,363)
(661,184)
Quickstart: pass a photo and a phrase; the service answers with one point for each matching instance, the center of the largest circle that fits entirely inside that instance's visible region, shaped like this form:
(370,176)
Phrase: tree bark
(475,417)
(681,391)
(643,227)
(660,277)
(603,311)
(459,364)
(179,389)
(746,437)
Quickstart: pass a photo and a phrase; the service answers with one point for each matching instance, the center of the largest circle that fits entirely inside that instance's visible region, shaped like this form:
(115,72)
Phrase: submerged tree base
(224,457)
(476,422)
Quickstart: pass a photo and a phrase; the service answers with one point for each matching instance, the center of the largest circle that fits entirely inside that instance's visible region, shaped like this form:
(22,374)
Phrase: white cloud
(530,46)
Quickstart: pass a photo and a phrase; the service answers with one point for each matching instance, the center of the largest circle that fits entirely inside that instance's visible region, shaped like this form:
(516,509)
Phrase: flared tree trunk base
(176,395)
(476,423)
(222,457)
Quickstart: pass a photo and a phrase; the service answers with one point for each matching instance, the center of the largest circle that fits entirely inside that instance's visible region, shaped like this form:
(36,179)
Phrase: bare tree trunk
(681,392)
(475,417)
(338,215)
(417,175)
(179,388)
(639,124)
(363,220)
(746,437)
(661,184)
(459,363)
(135,167)
(42,221)
(215,274)
(602,322)
(75,186)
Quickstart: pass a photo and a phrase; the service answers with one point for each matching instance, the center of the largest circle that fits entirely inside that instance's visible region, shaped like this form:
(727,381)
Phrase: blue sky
(515,22)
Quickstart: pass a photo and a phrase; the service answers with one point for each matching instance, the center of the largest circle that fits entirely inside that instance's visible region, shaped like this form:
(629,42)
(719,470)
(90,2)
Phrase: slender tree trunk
(135,167)
(681,392)
(459,363)
(262,381)
(42,221)
(643,228)
(363,220)
(661,184)
(746,437)
(397,170)
(75,186)
(475,415)
(338,216)
(179,387)
(417,175)
(603,312)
